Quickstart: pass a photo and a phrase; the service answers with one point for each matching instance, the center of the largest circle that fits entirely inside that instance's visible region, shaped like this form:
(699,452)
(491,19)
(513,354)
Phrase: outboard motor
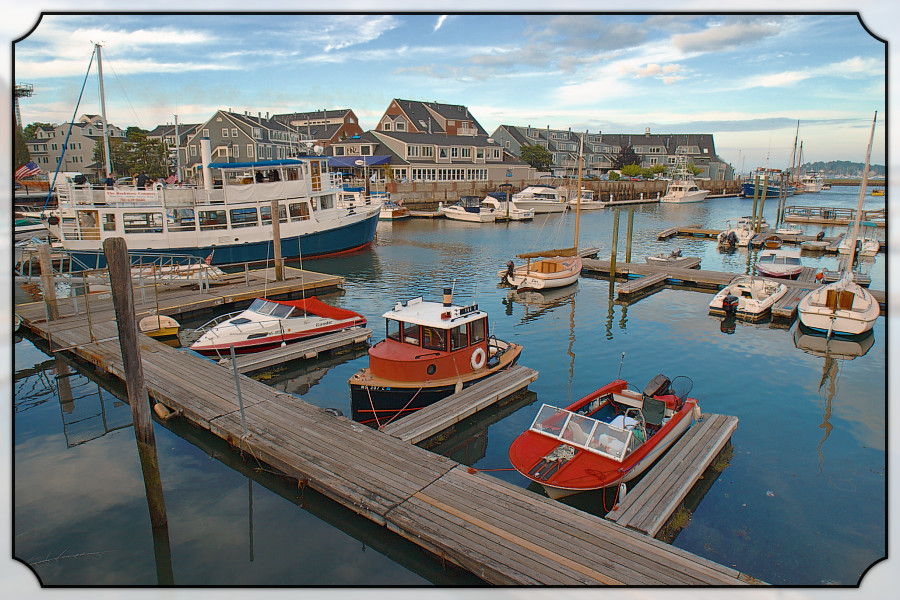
(658,385)
(510,270)
(730,305)
(731,239)
(820,236)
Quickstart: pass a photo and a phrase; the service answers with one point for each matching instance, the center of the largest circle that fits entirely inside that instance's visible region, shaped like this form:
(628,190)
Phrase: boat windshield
(276,309)
(584,432)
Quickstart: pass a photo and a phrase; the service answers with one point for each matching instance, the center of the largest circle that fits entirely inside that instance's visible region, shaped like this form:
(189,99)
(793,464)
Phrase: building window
(193,150)
(224,133)
(249,150)
(339,151)
(386,126)
(454,152)
(467,153)
(236,150)
(205,133)
(234,133)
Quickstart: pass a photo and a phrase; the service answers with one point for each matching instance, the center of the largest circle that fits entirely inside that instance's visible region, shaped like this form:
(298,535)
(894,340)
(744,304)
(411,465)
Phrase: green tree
(22,155)
(121,161)
(32,127)
(537,156)
(613,176)
(631,170)
(626,156)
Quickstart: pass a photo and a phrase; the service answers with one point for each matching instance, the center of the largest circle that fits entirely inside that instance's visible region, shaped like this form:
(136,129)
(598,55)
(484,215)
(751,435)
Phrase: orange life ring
(478,358)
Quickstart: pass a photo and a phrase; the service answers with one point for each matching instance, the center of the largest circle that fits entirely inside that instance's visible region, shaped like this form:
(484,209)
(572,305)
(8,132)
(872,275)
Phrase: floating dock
(703,279)
(503,534)
(306,349)
(660,492)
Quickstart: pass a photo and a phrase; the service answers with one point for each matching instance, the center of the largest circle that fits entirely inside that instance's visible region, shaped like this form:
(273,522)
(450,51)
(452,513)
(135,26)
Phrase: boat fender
(53,220)
(478,358)
(623,489)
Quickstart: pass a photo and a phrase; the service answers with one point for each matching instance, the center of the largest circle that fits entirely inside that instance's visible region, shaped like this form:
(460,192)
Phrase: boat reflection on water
(299,380)
(539,303)
(832,349)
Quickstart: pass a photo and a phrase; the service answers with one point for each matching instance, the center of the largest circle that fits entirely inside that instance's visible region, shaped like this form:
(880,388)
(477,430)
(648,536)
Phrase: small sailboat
(867,243)
(554,268)
(747,298)
(844,307)
(271,323)
(607,438)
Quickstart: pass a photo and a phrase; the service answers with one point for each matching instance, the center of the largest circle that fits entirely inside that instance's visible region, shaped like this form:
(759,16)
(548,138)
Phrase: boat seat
(654,411)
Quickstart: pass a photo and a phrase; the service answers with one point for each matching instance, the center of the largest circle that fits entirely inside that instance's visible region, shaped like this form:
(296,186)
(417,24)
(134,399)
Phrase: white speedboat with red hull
(430,351)
(608,437)
(272,323)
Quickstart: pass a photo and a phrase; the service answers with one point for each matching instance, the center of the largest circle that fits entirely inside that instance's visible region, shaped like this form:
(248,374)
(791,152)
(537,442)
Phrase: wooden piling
(276,241)
(123,302)
(615,239)
(630,230)
(47,283)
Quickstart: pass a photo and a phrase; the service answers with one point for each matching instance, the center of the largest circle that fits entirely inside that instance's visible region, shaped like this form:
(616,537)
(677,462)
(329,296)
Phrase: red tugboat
(607,438)
(430,351)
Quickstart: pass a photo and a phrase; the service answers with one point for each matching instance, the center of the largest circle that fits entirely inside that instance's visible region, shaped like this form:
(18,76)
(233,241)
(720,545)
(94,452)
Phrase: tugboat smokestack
(448,296)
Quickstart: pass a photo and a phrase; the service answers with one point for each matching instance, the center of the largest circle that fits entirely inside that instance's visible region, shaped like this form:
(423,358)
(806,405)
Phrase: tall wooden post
(630,230)
(762,204)
(47,282)
(276,241)
(123,303)
(615,241)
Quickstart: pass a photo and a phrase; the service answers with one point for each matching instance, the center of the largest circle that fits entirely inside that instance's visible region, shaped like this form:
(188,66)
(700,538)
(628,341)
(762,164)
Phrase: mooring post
(276,241)
(615,239)
(755,200)
(630,230)
(123,302)
(47,282)
(237,387)
(762,204)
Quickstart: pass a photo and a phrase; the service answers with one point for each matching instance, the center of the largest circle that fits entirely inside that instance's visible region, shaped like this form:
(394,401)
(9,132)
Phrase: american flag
(27,170)
(170,179)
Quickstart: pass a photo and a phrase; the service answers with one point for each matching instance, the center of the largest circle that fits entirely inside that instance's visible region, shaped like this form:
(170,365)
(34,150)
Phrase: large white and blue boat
(226,220)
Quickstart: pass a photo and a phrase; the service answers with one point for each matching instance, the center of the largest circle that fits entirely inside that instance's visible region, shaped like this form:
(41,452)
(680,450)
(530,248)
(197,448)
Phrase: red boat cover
(315,306)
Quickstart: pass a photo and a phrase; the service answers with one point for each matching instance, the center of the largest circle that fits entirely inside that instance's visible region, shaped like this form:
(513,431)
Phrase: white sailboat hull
(842,308)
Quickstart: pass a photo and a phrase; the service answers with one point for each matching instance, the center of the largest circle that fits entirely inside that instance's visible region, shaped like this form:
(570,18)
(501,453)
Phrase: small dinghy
(159,327)
(664,258)
(748,298)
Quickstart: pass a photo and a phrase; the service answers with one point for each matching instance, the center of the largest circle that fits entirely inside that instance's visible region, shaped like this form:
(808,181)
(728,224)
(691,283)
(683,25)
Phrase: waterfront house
(324,127)
(50,147)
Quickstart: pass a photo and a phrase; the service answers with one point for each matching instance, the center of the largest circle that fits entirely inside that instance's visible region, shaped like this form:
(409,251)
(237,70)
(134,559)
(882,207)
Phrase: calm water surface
(809,450)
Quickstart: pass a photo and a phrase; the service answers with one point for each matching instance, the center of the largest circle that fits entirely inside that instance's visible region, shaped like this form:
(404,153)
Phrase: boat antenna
(619,374)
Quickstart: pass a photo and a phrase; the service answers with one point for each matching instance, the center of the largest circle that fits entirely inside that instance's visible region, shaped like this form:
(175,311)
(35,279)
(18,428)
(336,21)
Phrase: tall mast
(862,195)
(103,111)
(794,152)
(177,151)
(578,191)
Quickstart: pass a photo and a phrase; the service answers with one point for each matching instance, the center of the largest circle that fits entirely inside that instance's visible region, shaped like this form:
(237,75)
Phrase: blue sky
(747,79)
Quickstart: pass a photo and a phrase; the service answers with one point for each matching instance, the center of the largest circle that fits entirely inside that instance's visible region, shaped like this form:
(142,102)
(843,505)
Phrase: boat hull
(817,313)
(685,198)
(347,238)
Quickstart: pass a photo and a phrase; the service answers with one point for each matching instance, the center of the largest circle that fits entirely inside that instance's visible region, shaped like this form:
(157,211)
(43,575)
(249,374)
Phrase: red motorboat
(608,437)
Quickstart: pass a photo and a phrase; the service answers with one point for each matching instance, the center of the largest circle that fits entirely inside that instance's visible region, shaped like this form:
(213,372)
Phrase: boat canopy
(350,161)
(312,305)
(550,253)
(584,432)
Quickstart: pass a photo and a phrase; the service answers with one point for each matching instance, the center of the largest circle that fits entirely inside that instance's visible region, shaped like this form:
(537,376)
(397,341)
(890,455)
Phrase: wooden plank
(661,491)
(437,417)
(247,363)
(641,284)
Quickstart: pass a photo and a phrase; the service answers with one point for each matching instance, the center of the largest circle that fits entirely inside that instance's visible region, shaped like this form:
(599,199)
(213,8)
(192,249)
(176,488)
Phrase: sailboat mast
(862,195)
(794,153)
(578,190)
(103,111)
(177,151)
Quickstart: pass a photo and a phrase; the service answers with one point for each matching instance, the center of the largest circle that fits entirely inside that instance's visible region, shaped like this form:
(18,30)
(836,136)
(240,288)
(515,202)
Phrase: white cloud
(440,22)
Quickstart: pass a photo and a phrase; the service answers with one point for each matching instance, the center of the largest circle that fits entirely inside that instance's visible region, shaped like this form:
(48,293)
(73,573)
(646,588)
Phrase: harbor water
(801,501)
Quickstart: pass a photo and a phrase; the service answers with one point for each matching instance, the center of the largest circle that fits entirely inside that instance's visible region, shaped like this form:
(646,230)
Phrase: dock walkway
(661,490)
(308,349)
(431,420)
(711,280)
(504,534)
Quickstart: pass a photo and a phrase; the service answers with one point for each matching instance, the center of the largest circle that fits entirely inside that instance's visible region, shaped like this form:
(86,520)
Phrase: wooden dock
(442,415)
(693,279)
(504,534)
(688,231)
(661,490)
(306,349)
(640,285)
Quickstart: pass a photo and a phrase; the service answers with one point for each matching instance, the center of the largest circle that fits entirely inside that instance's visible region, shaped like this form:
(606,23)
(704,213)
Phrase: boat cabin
(430,340)
(780,259)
